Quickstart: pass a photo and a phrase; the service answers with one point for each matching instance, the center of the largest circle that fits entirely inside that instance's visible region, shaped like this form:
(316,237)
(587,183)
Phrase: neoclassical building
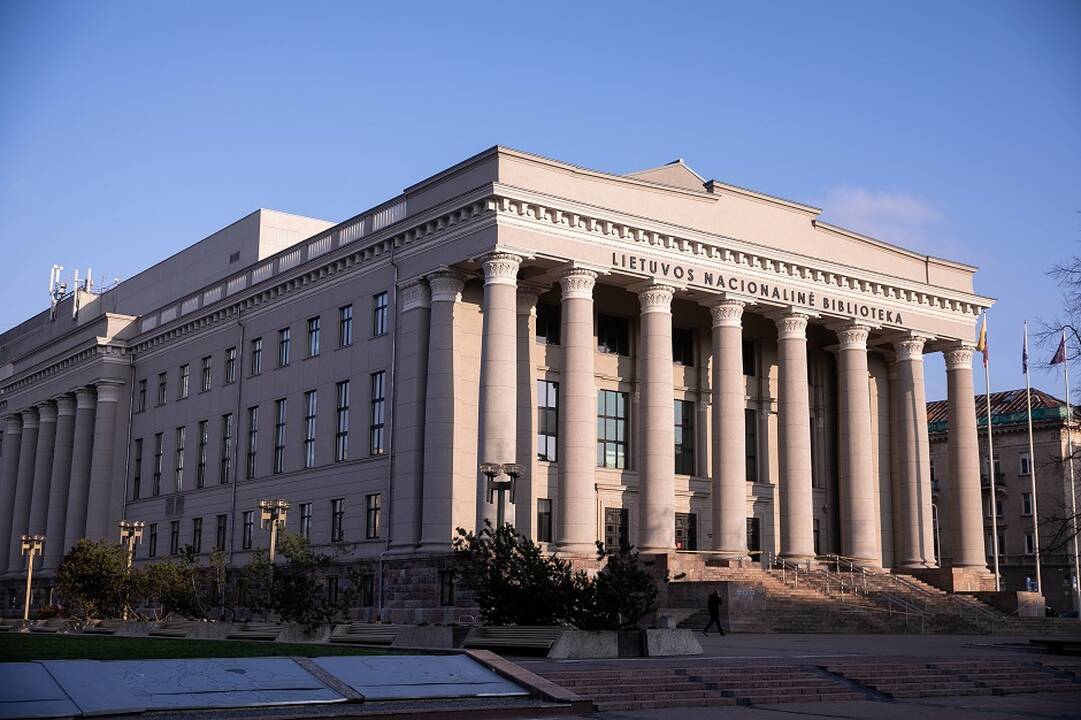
(675,363)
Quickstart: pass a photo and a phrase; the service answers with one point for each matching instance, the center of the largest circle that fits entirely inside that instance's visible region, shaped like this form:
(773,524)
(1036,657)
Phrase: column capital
(108,390)
(727,313)
(528,295)
(959,356)
(446,286)
(501,268)
(47,412)
(30,418)
(415,294)
(85,398)
(577,283)
(792,326)
(13,424)
(853,337)
(909,348)
(65,405)
(655,297)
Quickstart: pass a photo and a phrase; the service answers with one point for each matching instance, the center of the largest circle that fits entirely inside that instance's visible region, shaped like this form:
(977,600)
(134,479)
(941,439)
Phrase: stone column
(102,472)
(914,462)
(439,413)
(656,476)
(859,519)
(794,439)
(59,481)
(43,468)
(966,497)
(729,431)
(498,392)
(411,386)
(9,473)
(576,521)
(525,444)
(24,487)
(82,450)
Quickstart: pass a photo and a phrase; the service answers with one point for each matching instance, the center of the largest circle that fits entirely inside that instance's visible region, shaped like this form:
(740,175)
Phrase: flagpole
(1032,471)
(991,459)
(1073,487)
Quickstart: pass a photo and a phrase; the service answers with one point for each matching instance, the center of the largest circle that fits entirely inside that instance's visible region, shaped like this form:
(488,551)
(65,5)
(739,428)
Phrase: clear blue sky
(129,130)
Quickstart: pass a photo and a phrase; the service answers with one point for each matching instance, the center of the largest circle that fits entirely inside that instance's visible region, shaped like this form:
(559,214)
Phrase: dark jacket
(714,604)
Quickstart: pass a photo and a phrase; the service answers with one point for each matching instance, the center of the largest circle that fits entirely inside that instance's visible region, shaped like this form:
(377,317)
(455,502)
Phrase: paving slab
(125,686)
(27,690)
(391,677)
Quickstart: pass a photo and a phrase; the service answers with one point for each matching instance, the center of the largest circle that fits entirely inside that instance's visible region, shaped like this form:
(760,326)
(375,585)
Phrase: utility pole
(31,547)
(273,512)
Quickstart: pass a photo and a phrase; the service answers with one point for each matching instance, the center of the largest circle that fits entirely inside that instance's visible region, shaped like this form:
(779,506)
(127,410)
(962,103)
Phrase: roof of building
(1007,408)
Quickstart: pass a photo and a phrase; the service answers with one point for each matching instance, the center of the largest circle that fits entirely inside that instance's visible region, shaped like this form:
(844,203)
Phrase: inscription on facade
(767,291)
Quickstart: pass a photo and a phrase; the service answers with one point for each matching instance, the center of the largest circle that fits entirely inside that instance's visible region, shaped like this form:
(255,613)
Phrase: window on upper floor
(613,335)
(683,346)
(380,314)
(548,329)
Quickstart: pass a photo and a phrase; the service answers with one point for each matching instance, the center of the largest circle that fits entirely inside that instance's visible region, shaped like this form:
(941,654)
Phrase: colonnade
(57,473)
(575,526)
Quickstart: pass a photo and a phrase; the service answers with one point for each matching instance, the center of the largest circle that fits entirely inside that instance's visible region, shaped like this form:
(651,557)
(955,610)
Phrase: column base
(396,551)
(576,550)
(435,548)
(734,560)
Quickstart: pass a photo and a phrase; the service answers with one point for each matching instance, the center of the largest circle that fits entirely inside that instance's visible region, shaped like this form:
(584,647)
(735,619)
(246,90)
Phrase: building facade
(1016,507)
(675,363)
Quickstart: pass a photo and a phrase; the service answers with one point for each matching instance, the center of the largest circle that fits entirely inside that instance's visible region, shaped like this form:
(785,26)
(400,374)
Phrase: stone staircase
(954,678)
(644,689)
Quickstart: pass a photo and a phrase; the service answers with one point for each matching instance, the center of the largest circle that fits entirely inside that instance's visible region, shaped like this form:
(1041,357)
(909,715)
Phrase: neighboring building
(1013,485)
(676,363)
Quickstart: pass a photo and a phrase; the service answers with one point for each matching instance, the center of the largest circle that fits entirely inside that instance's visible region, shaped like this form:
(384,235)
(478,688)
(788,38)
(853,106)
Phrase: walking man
(713,605)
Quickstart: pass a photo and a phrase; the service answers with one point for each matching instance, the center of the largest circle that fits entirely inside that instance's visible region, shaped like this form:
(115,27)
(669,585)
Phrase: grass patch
(23,647)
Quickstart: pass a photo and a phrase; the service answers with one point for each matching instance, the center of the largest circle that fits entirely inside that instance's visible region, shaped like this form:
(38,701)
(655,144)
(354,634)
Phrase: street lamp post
(274,513)
(31,546)
(501,480)
(131,532)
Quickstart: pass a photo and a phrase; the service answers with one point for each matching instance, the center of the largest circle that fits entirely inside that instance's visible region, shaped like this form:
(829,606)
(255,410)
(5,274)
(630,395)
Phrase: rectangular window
(219,532)
(337,519)
(375,435)
(174,537)
(310,399)
(183,382)
(547,420)
(1025,464)
(750,440)
(341,434)
(611,429)
(380,309)
(226,448)
(137,470)
(332,590)
(247,527)
(279,435)
(200,468)
(206,377)
(686,531)
(446,588)
(253,441)
(159,450)
(313,337)
(748,358)
(197,535)
(178,459)
(163,388)
(684,416)
(613,335)
(152,541)
(284,340)
(257,356)
(371,521)
(1030,544)
(544,520)
(345,326)
(616,528)
(230,365)
(306,521)
(367,590)
(140,402)
(1026,503)
(683,346)
(754,534)
(548,319)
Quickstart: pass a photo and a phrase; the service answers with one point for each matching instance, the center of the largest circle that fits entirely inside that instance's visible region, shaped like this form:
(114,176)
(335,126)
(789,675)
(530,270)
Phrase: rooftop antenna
(75,297)
(56,289)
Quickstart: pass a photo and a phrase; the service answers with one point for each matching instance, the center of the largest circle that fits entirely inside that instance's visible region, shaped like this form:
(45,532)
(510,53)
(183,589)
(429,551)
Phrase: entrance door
(616,528)
(754,534)
(686,531)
